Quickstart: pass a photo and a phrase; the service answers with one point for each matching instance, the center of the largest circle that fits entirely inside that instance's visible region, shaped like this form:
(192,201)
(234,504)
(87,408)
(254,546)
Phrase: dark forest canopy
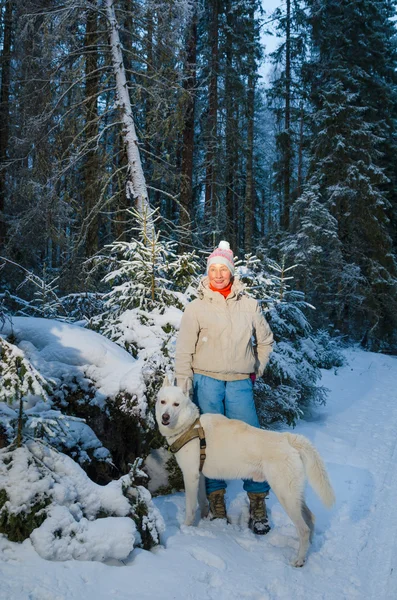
(304,168)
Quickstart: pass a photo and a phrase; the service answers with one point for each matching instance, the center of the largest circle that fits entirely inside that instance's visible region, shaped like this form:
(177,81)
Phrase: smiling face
(219,276)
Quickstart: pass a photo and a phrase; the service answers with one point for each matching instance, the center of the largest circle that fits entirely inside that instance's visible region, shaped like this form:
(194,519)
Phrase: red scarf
(225,291)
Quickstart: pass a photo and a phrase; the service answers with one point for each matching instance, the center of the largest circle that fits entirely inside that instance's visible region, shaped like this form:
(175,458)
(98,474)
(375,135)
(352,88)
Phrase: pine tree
(290,385)
(353,91)
(287,95)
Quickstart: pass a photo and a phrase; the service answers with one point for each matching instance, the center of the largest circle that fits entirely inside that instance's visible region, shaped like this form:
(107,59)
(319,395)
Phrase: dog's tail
(314,468)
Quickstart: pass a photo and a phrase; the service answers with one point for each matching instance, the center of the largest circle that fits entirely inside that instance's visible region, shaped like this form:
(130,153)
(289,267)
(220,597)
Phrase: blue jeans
(235,400)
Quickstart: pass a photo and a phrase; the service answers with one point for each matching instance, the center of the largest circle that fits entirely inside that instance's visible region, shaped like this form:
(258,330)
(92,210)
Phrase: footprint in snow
(247,544)
(207,558)
(189,530)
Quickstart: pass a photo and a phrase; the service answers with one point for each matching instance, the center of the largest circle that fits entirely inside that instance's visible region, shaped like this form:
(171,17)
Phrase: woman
(215,350)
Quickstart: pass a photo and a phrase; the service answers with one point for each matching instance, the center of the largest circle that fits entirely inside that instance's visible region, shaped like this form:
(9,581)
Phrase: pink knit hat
(222,256)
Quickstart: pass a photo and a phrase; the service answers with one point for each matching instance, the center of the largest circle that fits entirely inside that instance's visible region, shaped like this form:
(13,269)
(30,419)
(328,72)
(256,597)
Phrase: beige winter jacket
(216,336)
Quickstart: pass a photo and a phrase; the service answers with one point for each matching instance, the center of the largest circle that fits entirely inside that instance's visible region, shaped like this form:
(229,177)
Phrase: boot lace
(217,505)
(257,507)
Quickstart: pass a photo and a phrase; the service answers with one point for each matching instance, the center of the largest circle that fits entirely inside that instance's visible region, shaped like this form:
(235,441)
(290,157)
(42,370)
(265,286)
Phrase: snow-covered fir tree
(47,497)
(36,437)
(353,91)
(290,385)
(150,285)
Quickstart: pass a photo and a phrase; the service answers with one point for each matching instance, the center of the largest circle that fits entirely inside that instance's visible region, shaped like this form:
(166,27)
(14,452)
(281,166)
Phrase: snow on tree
(28,410)
(151,284)
(39,296)
(136,185)
(290,383)
(353,81)
(59,503)
(47,497)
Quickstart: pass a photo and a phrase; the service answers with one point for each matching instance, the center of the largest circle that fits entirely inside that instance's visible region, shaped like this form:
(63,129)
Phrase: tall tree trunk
(249,186)
(287,150)
(212,125)
(5,110)
(189,84)
(136,189)
(149,72)
(91,166)
(230,127)
(299,186)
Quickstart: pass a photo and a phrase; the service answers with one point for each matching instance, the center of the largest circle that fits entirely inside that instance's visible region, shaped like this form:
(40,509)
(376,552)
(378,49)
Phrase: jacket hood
(204,291)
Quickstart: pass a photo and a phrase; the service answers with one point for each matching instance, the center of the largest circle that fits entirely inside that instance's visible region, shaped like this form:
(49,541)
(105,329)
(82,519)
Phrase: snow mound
(48,497)
(61,537)
(60,350)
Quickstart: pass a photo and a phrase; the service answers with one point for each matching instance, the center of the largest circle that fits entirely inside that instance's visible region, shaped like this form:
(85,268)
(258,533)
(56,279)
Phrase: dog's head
(174,410)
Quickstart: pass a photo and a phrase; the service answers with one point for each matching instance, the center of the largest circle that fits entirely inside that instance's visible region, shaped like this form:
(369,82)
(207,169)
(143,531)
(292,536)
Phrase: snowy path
(354,552)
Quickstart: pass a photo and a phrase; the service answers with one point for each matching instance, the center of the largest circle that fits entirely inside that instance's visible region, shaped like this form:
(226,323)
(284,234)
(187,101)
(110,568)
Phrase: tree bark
(91,166)
(299,186)
(189,84)
(4,110)
(210,200)
(136,189)
(230,141)
(249,185)
(250,114)
(287,150)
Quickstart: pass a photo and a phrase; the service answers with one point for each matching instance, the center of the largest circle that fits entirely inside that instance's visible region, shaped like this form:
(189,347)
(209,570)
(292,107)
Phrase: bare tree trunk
(287,159)
(91,167)
(5,109)
(136,189)
(149,72)
(210,200)
(300,153)
(263,212)
(189,85)
(230,142)
(249,185)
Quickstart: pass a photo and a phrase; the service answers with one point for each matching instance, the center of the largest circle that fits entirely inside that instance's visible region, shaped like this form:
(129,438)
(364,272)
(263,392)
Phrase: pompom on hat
(222,256)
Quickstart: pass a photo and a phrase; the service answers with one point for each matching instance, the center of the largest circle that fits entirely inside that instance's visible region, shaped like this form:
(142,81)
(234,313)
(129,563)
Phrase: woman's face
(219,276)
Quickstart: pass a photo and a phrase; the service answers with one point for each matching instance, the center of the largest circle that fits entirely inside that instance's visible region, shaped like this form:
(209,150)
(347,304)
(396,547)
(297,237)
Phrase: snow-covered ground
(354,552)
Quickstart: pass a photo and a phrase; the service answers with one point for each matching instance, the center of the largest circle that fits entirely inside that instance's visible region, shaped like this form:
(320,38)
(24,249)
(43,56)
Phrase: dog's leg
(294,511)
(291,500)
(202,498)
(191,481)
(188,461)
(309,519)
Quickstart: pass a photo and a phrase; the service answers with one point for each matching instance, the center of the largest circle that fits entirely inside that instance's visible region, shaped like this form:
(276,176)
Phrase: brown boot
(258,521)
(217,504)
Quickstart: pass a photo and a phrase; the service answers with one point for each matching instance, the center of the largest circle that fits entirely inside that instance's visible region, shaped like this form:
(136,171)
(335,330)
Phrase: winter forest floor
(354,551)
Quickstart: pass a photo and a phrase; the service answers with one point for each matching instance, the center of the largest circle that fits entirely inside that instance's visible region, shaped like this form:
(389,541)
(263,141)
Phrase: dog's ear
(166,381)
(188,387)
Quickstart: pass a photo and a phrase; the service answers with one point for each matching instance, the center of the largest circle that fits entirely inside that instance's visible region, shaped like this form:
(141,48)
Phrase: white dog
(236,450)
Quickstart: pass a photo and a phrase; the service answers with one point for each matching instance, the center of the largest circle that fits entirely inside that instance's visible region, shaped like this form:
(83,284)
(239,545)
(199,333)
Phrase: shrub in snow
(38,296)
(326,351)
(151,284)
(164,472)
(290,383)
(82,306)
(19,379)
(46,496)
(145,273)
(27,410)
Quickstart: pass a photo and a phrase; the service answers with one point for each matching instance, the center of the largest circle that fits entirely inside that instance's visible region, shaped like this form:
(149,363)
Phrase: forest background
(135,135)
(303,167)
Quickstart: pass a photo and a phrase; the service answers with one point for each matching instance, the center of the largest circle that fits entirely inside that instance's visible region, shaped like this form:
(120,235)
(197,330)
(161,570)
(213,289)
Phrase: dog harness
(194,431)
